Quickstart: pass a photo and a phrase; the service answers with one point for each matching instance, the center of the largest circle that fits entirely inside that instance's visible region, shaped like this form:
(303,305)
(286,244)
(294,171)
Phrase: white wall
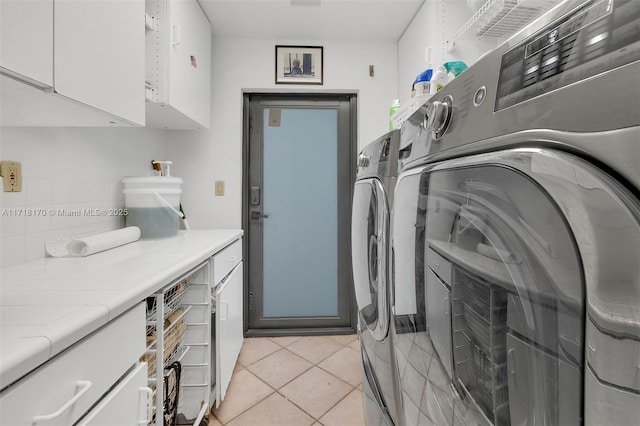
(68,169)
(202,157)
(436,23)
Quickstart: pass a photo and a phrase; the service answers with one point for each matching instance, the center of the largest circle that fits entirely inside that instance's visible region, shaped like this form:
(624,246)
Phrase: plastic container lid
(151,191)
(151,180)
(424,76)
(455,67)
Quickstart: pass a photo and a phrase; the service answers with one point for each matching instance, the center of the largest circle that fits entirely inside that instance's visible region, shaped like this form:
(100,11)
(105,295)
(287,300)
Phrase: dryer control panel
(596,37)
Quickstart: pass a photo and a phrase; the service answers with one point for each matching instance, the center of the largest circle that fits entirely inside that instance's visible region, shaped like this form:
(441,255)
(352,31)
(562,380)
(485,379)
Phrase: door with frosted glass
(297,205)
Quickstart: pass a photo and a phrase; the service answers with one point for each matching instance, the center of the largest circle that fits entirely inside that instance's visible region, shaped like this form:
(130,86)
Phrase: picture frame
(299,64)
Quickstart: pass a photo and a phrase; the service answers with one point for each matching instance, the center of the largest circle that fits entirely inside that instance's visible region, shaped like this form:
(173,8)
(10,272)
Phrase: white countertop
(49,304)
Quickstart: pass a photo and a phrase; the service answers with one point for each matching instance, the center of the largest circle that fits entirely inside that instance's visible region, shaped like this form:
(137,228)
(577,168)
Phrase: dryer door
(369,239)
(517,253)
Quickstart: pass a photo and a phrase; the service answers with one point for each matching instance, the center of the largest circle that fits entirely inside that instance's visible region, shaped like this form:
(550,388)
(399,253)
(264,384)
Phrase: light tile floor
(294,381)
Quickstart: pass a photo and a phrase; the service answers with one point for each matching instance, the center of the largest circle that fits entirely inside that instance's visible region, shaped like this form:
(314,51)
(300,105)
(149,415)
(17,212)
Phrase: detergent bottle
(439,79)
(422,83)
(395,106)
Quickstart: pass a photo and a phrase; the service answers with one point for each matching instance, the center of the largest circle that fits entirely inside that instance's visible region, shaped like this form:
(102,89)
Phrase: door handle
(255,215)
(176,39)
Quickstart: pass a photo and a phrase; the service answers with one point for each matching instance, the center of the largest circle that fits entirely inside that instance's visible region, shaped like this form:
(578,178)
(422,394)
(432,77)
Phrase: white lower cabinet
(116,375)
(230,330)
(62,390)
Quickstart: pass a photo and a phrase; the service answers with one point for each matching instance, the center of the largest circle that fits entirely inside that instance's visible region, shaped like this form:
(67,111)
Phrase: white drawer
(60,391)
(226,259)
(127,404)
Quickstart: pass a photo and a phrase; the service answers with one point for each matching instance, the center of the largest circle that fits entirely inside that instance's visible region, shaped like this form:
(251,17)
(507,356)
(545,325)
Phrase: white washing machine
(516,231)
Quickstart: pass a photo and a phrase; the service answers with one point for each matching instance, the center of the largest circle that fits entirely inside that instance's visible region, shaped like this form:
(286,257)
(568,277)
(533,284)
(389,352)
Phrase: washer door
(369,239)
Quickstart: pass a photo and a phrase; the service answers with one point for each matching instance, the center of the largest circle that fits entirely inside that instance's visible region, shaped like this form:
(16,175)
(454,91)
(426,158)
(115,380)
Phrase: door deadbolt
(255,196)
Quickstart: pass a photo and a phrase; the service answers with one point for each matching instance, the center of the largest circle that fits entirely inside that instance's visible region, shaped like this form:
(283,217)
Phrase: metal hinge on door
(251,301)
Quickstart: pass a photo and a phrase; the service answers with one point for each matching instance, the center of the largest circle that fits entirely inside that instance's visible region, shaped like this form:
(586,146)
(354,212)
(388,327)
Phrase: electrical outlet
(11,172)
(219,187)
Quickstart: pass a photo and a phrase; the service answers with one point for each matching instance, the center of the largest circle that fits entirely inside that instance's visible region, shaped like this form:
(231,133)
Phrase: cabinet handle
(149,405)
(226,310)
(232,259)
(176,35)
(84,386)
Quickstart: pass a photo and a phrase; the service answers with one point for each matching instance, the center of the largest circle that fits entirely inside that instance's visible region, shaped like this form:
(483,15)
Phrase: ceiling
(311,19)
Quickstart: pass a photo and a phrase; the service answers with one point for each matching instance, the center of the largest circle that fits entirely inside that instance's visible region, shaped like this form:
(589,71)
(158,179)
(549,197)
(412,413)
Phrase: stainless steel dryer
(516,231)
(373,195)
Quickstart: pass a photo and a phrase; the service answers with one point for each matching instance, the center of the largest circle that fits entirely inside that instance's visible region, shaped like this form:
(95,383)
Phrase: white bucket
(153,204)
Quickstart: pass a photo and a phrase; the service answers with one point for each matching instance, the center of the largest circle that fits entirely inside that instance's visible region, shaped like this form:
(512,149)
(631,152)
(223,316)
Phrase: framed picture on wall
(299,65)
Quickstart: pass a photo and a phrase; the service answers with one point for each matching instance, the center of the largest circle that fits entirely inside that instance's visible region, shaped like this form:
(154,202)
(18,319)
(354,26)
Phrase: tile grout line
(251,406)
(277,391)
(316,364)
(301,373)
(311,415)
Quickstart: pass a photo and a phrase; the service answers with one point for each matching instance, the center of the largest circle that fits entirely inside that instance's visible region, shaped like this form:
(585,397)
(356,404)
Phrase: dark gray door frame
(346,175)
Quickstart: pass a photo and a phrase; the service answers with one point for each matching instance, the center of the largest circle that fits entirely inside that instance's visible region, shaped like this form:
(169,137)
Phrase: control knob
(363,160)
(437,115)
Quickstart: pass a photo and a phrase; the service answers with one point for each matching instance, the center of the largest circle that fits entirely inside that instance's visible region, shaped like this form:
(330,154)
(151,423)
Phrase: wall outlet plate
(11,172)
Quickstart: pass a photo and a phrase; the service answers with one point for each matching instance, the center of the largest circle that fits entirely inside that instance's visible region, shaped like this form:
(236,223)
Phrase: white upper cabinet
(178,65)
(99,55)
(30,23)
(72,63)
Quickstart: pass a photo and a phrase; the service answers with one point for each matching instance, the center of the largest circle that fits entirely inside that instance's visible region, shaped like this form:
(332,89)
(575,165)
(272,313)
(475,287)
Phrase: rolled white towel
(104,241)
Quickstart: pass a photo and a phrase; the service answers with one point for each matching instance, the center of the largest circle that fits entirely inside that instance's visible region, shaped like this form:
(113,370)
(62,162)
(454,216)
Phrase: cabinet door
(229,333)
(26,40)
(99,55)
(190,61)
(127,404)
(439,318)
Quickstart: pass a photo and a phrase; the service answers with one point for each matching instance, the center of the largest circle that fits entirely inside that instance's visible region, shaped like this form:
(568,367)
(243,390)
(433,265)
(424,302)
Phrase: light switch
(219,187)
(11,172)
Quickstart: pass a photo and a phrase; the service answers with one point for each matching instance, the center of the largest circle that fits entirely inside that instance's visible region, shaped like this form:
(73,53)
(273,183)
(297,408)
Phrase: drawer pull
(149,405)
(83,385)
(232,259)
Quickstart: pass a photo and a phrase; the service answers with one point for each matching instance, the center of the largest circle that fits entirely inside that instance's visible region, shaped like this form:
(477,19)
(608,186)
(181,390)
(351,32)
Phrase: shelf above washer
(407,109)
(499,18)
